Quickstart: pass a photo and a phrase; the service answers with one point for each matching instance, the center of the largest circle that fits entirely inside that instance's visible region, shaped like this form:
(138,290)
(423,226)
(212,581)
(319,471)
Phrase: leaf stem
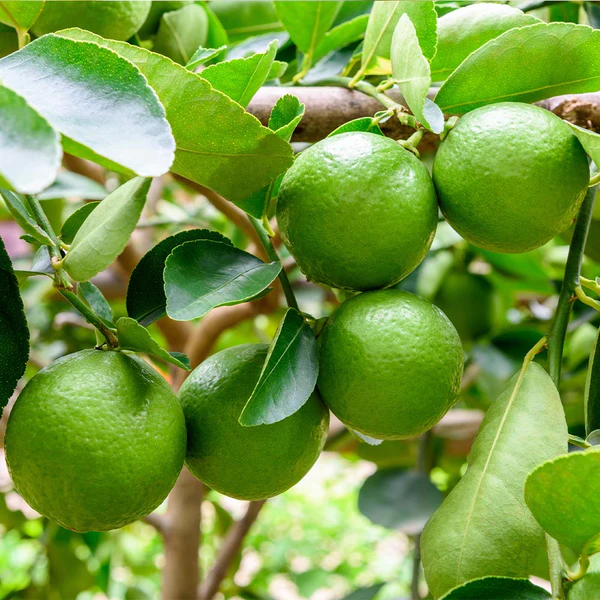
(267,244)
(581,295)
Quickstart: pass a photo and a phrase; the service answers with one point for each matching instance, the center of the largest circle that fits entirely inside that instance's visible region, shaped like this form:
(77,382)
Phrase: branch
(159,522)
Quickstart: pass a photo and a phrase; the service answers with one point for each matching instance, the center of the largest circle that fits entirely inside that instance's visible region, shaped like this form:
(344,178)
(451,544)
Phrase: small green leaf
(30,151)
(204,55)
(366,124)
(561,58)
(14,334)
(94,297)
(289,375)
(42,265)
(411,72)
(74,222)
(133,336)
(564,496)
(399,499)
(81,89)
(498,588)
(20,14)
(341,36)
(590,141)
(106,231)
(285,116)
(202,275)
(181,32)
(146,300)
(23,217)
(72,185)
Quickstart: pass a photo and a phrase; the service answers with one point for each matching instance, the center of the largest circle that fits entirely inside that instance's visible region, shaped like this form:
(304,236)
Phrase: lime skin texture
(96,440)
(510,177)
(390,364)
(248,463)
(357,211)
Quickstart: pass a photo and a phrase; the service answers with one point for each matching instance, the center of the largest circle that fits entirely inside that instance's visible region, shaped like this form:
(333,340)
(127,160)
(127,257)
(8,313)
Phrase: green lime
(249,463)
(510,177)
(390,364)
(110,19)
(96,440)
(357,211)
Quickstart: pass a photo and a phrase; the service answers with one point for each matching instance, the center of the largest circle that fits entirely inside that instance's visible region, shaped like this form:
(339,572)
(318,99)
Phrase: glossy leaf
(146,300)
(399,499)
(498,588)
(246,19)
(30,151)
(202,275)
(204,55)
(462,31)
(524,427)
(74,222)
(14,334)
(133,336)
(286,116)
(564,496)
(411,72)
(94,297)
(81,89)
(289,375)
(20,14)
(592,390)
(215,138)
(72,185)
(23,217)
(106,231)
(366,124)
(341,36)
(561,58)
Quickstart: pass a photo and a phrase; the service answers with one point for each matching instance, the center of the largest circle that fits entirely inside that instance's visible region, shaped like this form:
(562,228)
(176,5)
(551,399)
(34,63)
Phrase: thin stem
(267,244)
(590,284)
(581,295)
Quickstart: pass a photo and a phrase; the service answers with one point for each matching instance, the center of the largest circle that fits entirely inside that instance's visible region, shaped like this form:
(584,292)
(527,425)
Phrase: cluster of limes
(97,439)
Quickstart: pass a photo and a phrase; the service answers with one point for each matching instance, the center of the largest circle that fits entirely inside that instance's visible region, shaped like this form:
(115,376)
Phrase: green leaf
(204,55)
(411,72)
(30,152)
(94,297)
(181,32)
(246,19)
(72,225)
(366,124)
(382,22)
(463,540)
(307,22)
(285,116)
(462,31)
(365,593)
(592,390)
(587,587)
(564,11)
(561,58)
(202,275)
(217,36)
(146,300)
(72,185)
(106,231)
(241,78)
(399,499)
(81,89)
(564,496)
(42,265)
(215,138)
(133,336)
(14,334)
(341,36)
(590,141)
(20,14)
(289,375)
(23,217)
(498,588)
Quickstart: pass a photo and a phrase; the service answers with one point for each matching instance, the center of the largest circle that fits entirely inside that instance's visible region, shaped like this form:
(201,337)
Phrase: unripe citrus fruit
(357,211)
(110,19)
(510,177)
(96,440)
(390,364)
(249,463)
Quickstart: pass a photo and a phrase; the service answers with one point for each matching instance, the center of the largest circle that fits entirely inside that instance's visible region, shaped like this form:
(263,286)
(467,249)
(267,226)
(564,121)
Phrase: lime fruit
(96,440)
(390,364)
(248,463)
(510,177)
(108,18)
(357,211)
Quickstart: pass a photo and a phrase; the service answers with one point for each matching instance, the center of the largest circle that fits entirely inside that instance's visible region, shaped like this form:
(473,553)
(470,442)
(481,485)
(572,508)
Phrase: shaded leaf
(94,297)
(23,217)
(366,124)
(365,593)
(592,390)
(590,141)
(587,587)
(81,89)
(204,55)
(341,36)
(72,185)
(20,14)
(202,275)
(499,588)
(74,222)
(242,19)
(106,231)
(289,375)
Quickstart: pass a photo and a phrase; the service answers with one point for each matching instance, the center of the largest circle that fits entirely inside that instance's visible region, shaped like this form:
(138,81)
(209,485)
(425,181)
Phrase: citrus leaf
(411,72)
(42,265)
(564,496)
(399,499)
(524,427)
(241,78)
(72,225)
(592,390)
(30,151)
(498,588)
(81,89)
(202,275)
(215,138)
(133,336)
(72,185)
(366,124)
(23,217)
(204,55)
(341,36)
(462,31)
(94,297)
(14,334)
(146,300)
(242,19)
(20,14)
(364,593)
(289,375)
(217,36)
(561,58)
(590,141)
(587,587)
(106,231)
(285,116)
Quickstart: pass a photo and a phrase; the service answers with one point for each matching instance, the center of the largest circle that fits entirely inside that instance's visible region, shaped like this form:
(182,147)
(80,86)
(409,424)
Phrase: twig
(159,522)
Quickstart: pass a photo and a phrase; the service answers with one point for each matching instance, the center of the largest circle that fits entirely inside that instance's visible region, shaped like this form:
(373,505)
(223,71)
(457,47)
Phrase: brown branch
(159,522)
(229,550)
